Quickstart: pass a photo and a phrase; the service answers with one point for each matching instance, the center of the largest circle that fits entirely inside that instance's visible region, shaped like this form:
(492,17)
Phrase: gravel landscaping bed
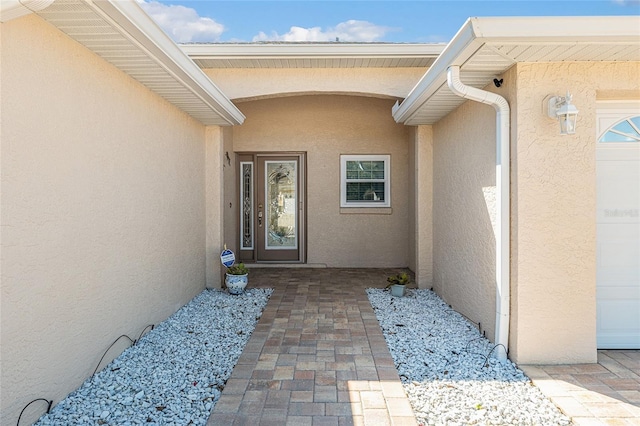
(446,369)
(175,373)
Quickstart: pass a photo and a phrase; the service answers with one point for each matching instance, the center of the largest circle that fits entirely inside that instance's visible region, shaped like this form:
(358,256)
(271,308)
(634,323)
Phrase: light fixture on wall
(561,108)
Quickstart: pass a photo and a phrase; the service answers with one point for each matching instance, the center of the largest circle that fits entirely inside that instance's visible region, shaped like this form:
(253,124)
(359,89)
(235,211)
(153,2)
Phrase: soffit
(483,57)
(313,55)
(125,36)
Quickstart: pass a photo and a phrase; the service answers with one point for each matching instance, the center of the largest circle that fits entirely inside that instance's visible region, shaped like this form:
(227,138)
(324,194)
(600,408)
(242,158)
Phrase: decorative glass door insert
(281,205)
(247,208)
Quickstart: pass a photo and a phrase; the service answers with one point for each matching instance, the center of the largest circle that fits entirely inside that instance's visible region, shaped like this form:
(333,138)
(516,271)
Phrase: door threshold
(286,265)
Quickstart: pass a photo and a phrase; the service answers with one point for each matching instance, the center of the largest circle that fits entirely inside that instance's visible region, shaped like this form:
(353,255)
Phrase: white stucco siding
(103,211)
(553,255)
(325,127)
(464,158)
(421,205)
(554,210)
(259,83)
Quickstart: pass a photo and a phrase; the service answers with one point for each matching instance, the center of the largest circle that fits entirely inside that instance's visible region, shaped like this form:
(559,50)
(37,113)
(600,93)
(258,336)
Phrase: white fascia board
(134,22)
(503,30)
(12,9)
(311,50)
(461,47)
(558,29)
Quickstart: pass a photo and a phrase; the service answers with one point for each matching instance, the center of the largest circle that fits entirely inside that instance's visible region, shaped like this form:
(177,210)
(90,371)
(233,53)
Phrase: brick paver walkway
(607,393)
(316,357)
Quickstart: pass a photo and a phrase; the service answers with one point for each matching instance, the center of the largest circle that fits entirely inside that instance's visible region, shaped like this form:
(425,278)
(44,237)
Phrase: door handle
(260,215)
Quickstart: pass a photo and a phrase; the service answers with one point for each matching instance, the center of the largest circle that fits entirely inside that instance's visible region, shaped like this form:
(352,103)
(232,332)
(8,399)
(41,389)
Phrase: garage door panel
(618,238)
(618,319)
(619,250)
(618,191)
(621,154)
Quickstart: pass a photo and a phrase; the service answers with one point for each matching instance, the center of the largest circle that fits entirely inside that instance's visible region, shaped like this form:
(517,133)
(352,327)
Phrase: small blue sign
(227,258)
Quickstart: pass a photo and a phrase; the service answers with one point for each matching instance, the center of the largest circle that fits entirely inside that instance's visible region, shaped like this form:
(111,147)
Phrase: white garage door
(618,225)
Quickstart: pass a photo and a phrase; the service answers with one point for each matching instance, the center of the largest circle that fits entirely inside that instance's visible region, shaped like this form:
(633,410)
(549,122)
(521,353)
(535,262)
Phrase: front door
(272,208)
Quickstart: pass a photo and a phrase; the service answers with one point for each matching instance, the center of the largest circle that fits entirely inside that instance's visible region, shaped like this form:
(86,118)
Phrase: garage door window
(626,131)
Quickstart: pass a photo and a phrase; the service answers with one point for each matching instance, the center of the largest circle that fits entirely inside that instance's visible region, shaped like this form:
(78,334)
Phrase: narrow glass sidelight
(246,195)
(281,205)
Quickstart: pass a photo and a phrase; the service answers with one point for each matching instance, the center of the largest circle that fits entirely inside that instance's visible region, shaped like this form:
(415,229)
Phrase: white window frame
(386,180)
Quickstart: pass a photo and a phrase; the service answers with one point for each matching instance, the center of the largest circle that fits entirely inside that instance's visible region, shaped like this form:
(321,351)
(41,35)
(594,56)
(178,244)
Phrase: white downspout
(503,217)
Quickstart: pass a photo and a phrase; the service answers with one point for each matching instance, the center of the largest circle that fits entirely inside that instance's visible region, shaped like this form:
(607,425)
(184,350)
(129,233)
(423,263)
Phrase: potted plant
(397,283)
(236,278)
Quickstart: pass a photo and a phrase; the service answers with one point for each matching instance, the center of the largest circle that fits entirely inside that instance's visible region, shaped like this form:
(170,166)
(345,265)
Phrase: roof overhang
(12,9)
(486,47)
(124,35)
(313,55)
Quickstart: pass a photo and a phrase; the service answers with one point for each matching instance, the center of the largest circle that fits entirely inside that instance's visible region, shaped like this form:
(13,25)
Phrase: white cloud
(183,24)
(351,30)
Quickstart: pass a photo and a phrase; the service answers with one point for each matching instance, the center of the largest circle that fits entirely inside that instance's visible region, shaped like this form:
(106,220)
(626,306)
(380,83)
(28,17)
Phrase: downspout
(503,218)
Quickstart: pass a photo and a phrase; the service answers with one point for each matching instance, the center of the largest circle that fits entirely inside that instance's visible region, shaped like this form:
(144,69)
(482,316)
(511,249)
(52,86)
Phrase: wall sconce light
(560,108)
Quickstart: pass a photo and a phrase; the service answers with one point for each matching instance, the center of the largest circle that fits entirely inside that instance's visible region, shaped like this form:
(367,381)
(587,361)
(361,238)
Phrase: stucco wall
(464,155)
(325,127)
(554,211)
(230,207)
(102,212)
(250,83)
(421,205)
(216,164)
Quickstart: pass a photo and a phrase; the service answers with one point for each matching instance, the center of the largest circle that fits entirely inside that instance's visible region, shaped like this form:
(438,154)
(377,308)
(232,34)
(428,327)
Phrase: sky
(426,21)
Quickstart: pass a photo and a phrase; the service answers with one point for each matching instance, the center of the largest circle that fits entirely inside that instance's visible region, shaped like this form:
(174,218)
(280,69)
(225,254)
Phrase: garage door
(618,225)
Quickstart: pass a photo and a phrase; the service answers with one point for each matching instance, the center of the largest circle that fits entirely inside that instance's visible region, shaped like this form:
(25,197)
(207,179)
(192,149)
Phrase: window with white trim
(365,181)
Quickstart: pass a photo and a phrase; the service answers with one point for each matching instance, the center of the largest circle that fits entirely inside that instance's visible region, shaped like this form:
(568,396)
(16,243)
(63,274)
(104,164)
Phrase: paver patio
(607,393)
(318,357)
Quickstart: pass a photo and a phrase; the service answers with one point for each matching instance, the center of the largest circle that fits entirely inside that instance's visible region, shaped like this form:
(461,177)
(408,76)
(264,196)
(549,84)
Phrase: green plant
(398,279)
(237,269)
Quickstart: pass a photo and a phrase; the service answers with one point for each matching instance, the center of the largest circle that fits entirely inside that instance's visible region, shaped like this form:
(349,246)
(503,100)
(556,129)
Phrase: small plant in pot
(236,278)
(397,283)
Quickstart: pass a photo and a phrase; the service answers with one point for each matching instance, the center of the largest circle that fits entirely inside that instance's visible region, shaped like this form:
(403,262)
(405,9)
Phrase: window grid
(364,181)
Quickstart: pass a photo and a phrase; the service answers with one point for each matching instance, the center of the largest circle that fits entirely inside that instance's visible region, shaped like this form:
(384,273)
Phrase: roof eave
(12,9)
(557,28)
(461,47)
(311,50)
(134,22)
(479,31)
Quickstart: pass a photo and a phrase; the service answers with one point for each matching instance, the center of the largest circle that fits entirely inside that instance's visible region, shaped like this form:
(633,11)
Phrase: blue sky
(354,21)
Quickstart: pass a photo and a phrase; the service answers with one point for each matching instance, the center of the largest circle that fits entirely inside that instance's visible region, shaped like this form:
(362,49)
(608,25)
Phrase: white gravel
(445,369)
(175,373)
